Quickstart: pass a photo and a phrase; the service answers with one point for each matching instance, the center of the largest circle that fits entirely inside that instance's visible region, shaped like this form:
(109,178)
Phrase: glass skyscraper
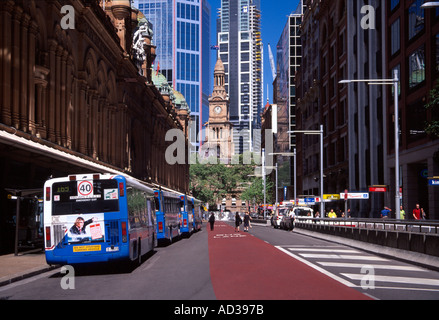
(182,36)
(241,51)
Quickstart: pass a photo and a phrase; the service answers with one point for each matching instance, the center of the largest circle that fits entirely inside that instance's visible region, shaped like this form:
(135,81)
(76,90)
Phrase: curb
(25,275)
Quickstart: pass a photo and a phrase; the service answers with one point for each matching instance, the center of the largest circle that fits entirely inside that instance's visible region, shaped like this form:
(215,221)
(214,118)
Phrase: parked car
(287,222)
(277,217)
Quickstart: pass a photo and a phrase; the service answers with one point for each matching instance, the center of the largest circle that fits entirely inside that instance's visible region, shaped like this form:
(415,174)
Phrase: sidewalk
(14,268)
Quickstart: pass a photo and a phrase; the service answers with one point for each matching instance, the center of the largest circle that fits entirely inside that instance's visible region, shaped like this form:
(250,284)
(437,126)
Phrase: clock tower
(219,136)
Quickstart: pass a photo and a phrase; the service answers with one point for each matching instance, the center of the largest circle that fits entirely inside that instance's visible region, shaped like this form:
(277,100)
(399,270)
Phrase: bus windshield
(79,197)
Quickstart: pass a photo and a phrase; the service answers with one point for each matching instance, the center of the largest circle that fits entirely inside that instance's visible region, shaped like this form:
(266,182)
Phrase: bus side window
(157,204)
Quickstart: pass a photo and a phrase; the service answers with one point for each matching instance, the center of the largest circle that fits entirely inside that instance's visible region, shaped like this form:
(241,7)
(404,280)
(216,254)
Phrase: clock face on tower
(217,110)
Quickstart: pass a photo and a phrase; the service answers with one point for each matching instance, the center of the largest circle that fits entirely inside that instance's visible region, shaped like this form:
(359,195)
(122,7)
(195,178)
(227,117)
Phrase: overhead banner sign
(308,201)
(378,189)
(330,197)
(356,196)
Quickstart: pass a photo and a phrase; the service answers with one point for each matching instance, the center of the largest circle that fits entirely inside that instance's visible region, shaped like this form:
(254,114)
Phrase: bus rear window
(78,197)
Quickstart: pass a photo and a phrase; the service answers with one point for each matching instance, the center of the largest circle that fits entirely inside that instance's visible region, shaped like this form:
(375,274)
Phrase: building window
(417,67)
(416,121)
(245,67)
(393,4)
(395,34)
(416,18)
(437,52)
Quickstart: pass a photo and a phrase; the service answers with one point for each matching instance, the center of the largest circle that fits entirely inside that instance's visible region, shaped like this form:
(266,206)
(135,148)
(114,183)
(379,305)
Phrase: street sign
(433,182)
(356,196)
(378,189)
(331,197)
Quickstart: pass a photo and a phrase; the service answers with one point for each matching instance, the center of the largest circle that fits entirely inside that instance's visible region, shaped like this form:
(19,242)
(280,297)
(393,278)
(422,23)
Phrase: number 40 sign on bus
(85,190)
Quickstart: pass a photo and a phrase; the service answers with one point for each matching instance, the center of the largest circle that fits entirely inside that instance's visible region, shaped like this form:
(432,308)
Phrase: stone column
(6,8)
(33,30)
(15,62)
(24,65)
(51,101)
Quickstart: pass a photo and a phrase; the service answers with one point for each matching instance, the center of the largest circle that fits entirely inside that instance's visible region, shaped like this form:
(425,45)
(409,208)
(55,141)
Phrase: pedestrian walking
(212,221)
(385,212)
(238,222)
(247,219)
(418,212)
(402,213)
(332,214)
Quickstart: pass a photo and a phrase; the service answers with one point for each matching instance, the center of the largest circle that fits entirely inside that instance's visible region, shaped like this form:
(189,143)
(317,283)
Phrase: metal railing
(410,226)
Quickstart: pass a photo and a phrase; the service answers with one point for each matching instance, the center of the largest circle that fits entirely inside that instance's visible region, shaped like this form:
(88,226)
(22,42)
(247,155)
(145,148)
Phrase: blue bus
(197,214)
(97,218)
(168,209)
(191,218)
(187,216)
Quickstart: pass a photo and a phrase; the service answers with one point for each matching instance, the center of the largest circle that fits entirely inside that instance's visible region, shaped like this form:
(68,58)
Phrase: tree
(432,127)
(210,181)
(255,191)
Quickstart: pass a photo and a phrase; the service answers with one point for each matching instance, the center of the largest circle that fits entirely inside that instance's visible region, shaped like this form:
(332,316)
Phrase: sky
(274,15)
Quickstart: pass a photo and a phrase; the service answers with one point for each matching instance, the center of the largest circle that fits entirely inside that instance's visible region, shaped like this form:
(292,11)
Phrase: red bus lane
(243,267)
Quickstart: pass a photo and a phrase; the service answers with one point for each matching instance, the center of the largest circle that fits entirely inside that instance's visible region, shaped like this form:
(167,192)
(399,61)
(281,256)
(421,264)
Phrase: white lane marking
(324,250)
(342,256)
(405,280)
(375,266)
(321,270)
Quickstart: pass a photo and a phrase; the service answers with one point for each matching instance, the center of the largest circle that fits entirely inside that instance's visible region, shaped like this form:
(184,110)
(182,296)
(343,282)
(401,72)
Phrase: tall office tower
(289,59)
(308,84)
(365,48)
(182,36)
(241,50)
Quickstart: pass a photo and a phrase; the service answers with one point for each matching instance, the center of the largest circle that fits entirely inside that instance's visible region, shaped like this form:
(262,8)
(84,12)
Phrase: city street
(263,264)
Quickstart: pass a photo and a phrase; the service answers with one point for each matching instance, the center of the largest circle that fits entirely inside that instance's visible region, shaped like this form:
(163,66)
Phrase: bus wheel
(155,242)
(139,253)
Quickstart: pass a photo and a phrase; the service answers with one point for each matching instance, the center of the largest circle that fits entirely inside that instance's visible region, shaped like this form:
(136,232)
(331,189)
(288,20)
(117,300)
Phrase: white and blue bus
(197,214)
(168,211)
(97,218)
(187,216)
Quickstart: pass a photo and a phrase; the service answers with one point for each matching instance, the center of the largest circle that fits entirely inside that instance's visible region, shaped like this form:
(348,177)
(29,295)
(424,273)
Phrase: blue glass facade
(181,31)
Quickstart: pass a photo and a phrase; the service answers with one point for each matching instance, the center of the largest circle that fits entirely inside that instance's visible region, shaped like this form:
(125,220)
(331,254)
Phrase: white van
(287,222)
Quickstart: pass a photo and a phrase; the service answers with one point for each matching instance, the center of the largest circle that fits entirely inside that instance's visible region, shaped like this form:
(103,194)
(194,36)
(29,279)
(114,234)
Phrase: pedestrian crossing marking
(375,266)
(394,279)
(323,250)
(341,256)
(322,258)
(329,274)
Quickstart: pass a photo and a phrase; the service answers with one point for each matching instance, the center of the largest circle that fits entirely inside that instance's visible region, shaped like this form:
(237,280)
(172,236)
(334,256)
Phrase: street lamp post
(319,132)
(431,4)
(395,83)
(263,177)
